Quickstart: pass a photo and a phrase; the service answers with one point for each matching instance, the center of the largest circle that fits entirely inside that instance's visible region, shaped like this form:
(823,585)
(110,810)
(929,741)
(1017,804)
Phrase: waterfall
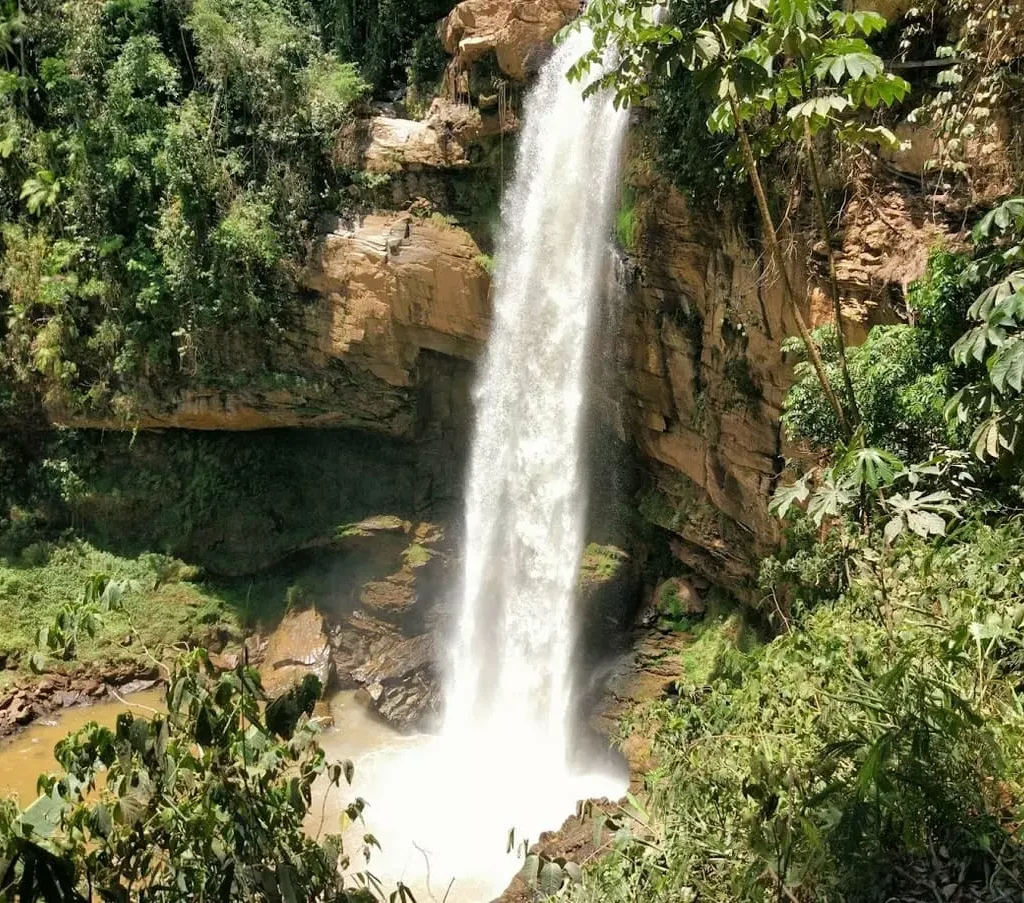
(443,807)
(511,673)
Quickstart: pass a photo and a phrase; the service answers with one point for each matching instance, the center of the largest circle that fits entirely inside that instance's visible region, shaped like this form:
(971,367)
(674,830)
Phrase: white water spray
(443,809)
(511,679)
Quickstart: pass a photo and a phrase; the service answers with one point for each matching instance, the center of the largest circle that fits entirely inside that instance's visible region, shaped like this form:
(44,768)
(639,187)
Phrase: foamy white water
(525,507)
(443,807)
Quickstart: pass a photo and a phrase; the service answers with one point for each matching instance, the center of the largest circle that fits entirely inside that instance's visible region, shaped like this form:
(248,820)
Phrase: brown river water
(384,762)
(29,754)
(25,756)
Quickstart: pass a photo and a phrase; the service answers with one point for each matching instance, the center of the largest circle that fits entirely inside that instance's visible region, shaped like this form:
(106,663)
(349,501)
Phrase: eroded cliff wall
(398,308)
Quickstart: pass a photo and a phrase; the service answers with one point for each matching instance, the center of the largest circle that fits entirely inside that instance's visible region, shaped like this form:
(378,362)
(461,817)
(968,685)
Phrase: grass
(602,562)
(625,220)
(416,555)
(723,637)
(168,606)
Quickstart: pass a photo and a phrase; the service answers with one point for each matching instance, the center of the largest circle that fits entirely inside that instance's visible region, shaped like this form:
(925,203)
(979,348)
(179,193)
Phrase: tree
(206,801)
(164,166)
(782,72)
(994,404)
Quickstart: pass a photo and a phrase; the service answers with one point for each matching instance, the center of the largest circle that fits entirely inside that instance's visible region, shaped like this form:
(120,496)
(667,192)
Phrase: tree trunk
(780,262)
(826,236)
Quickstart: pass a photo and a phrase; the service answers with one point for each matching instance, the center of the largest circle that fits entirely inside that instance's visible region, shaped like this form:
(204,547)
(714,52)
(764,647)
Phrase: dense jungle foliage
(164,166)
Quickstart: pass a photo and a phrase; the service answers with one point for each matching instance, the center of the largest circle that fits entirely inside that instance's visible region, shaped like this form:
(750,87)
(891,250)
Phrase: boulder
(452,136)
(388,646)
(517,32)
(401,681)
(298,647)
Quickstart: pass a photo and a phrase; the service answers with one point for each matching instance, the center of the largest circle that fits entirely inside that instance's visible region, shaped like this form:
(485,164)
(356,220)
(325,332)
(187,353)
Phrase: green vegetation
(779,73)
(163,600)
(393,41)
(206,801)
(869,750)
(252,514)
(678,124)
(164,165)
(867,754)
(416,555)
(625,219)
(233,503)
(602,562)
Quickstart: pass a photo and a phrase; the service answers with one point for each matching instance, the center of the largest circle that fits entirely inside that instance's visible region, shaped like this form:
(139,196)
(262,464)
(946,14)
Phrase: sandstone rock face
(450,137)
(988,156)
(705,383)
(705,378)
(518,32)
(296,648)
(388,288)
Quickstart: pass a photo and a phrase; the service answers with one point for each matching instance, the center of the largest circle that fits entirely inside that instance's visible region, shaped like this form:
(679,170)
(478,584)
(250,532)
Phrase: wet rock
(94,688)
(298,647)
(31,700)
(137,686)
(373,526)
(401,681)
(391,598)
(22,711)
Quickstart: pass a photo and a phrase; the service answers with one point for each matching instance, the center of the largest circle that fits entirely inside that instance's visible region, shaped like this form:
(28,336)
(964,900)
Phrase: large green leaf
(863,21)
(871,467)
(988,300)
(785,497)
(976,343)
(1008,214)
(1006,366)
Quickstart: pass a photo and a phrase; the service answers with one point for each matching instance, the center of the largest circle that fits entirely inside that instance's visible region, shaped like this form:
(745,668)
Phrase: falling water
(505,758)
(511,677)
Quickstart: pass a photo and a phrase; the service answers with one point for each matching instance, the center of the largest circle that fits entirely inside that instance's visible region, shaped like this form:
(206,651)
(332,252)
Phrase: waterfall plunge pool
(442,815)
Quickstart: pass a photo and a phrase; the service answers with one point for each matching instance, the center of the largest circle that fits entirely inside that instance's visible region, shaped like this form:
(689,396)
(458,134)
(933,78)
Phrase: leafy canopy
(163,167)
(994,405)
(801,62)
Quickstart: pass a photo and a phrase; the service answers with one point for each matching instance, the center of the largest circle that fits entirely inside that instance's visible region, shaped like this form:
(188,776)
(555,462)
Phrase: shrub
(206,801)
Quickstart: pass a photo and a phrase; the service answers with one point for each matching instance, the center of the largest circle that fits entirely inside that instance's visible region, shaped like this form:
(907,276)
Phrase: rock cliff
(705,376)
(383,290)
(398,309)
(518,33)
